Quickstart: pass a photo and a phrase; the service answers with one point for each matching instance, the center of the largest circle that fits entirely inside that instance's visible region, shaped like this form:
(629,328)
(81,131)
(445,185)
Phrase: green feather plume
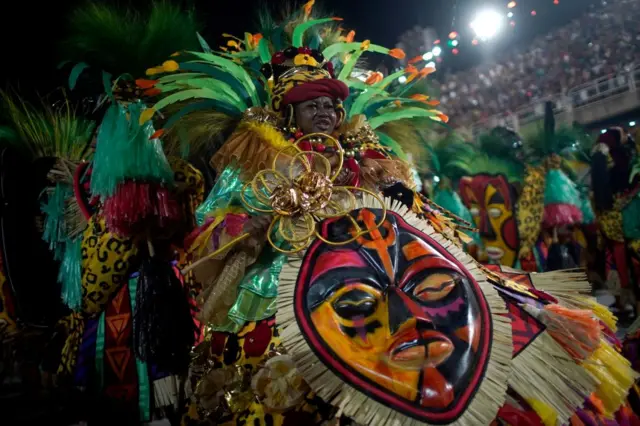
(46,131)
(125,41)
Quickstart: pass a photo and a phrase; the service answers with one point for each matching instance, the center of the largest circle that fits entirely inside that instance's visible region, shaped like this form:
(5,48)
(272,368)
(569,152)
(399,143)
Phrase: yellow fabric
(73,326)
(106,262)
(531,207)
(615,375)
(610,222)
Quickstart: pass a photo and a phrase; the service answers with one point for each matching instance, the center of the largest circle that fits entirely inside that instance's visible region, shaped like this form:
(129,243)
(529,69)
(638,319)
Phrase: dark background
(30,31)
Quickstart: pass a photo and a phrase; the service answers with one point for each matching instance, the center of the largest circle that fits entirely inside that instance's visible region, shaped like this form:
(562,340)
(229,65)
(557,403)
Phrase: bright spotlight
(632,123)
(402,79)
(487,24)
(430,64)
(603,131)
(427,56)
(436,51)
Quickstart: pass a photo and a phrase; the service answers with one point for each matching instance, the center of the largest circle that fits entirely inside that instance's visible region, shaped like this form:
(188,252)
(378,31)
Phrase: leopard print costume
(106,264)
(610,222)
(530,208)
(73,326)
(247,351)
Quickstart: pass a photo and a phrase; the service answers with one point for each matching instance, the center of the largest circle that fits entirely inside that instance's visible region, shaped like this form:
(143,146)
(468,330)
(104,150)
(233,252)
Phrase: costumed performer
(345,304)
(617,205)
(116,219)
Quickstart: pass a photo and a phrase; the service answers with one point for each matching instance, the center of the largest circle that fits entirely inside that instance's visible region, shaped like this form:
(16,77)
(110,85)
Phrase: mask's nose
(404,312)
(486,230)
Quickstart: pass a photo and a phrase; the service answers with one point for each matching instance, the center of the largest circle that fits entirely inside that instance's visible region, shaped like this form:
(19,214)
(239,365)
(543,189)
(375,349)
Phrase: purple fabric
(86,354)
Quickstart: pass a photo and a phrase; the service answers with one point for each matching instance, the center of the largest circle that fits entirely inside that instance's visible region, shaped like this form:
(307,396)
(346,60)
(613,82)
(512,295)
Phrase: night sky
(30,32)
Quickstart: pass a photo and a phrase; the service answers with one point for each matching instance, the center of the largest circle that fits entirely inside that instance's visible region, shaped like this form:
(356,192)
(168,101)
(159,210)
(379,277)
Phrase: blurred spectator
(600,43)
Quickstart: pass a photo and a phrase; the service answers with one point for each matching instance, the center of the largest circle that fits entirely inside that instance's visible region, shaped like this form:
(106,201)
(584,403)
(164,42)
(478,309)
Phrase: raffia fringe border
(484,405)
(545,372)
(572,289)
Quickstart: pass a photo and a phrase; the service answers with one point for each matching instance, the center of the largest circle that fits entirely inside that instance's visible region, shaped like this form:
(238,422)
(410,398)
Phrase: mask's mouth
(494,253)
(413,353)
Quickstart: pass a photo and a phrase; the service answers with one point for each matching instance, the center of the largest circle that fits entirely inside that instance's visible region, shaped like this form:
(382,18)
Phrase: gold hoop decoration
(290,115)
(330,297)
(305,196)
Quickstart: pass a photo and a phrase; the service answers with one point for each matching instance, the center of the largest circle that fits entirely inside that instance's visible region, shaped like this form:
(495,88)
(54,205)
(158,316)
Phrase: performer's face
(397,311)
(316,116)
(490,201)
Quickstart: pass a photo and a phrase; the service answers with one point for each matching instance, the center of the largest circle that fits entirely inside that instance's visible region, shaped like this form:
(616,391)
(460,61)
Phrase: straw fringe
(166,392)
(483,407)
(572,289)
(545,372)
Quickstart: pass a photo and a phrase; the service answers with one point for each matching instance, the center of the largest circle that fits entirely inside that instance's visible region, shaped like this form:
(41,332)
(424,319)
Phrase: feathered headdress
(256,71)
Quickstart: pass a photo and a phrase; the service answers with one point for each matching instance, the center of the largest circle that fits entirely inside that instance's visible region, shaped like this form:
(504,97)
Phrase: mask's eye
(436,286)
(494,212)
(355,303)
(475,211)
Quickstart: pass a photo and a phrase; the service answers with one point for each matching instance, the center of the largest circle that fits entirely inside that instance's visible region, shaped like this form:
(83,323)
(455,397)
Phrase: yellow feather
(269,134)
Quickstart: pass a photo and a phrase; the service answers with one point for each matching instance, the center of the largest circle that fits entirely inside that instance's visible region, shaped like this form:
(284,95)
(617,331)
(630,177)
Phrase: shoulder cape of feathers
(225,83)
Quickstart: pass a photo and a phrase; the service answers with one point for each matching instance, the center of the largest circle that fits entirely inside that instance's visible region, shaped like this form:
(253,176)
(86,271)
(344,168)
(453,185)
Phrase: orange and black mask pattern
(490,200)
(395,315)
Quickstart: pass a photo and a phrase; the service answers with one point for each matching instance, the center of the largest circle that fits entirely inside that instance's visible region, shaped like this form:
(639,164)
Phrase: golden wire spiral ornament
(301,194)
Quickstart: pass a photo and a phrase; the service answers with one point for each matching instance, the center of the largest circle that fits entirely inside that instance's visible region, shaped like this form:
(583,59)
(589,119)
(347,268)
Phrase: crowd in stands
(603,42)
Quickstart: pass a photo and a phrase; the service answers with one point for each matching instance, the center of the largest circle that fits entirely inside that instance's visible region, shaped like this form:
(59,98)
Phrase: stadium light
(487,24)
(436,51)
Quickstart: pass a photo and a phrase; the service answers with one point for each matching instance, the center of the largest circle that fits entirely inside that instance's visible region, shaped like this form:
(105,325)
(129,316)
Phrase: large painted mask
(393,315)
(491,202)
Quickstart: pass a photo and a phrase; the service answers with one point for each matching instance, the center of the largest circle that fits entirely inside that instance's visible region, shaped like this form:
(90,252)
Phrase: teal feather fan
(126,151)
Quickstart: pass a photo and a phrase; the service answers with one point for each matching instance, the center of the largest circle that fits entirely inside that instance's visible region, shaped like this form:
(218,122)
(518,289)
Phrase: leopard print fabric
(610,222)
(107,260)
(73,327)
(530,207)
(286,83)
(190,182)
(247,351)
